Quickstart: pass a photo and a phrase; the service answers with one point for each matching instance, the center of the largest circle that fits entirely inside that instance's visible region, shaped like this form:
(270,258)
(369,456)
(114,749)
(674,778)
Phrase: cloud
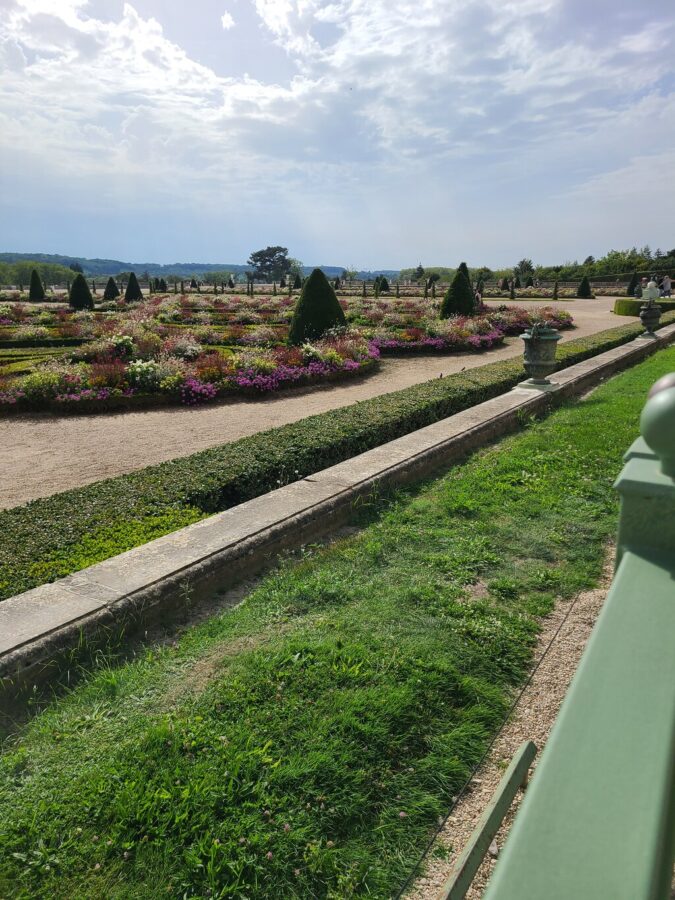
(406,105)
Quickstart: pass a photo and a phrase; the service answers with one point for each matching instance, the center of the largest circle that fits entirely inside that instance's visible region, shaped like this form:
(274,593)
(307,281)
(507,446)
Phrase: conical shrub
(316,311)
(133,291)
(459,299)
(297,284)
(464,268)
(111,290)
(529,282)
(80,295)
(516,282)
(504,284)
(555,291)
(632,284)
(35,291)
(584,289)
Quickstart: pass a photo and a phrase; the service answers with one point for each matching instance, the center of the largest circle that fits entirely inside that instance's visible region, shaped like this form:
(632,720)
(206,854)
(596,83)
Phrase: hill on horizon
(99,267)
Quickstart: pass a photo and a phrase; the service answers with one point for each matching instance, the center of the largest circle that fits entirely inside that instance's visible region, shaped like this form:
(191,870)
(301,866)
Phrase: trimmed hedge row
(51,537)
(630,307)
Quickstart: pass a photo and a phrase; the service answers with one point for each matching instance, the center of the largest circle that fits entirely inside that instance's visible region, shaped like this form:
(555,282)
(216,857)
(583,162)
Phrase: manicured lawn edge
(55,536)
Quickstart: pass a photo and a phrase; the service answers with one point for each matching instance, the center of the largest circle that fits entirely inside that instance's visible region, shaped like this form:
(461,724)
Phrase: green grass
(304,743)
(44,539)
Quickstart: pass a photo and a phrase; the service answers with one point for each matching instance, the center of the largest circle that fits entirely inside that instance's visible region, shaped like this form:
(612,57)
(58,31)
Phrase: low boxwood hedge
(627,306)
(51,537)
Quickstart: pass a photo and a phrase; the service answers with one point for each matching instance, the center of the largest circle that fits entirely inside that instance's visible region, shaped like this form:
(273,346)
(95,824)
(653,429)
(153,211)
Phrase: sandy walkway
(42,454)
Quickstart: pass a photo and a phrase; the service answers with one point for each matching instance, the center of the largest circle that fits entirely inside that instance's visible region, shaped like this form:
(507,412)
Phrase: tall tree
(524,267)
(271,263)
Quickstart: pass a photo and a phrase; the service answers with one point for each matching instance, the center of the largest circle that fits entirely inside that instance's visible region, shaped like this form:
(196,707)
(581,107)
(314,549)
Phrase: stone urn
(650,315)
(540,346)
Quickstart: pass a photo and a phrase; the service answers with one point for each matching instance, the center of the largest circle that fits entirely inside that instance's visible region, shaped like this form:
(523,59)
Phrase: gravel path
(532,719)
(42,454)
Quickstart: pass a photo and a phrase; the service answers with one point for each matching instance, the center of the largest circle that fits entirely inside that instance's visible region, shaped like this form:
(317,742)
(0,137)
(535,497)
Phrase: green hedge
(51,537)
(630,307)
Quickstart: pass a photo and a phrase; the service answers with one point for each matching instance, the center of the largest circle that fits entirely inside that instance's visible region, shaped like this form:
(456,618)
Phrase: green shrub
(632,284)
(555,291)
(516,282)
(133,291)
(504,285)
(529,282)
(54,536)
(36,291)
(462,267)
(297,284)
(80,295)
(317,310)
(629,307)
(459,299)
(111,291)
(584,290)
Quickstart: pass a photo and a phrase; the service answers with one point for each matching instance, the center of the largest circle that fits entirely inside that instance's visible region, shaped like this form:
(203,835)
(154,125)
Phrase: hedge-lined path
(42,454)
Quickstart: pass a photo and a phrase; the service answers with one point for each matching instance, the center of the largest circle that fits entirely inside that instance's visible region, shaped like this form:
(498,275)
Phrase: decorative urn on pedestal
(539,357)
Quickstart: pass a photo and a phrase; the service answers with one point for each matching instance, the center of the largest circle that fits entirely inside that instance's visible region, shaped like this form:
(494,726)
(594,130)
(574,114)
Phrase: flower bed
(142,366)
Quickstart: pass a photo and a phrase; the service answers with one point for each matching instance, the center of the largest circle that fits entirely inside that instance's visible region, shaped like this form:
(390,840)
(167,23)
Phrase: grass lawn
(304,743)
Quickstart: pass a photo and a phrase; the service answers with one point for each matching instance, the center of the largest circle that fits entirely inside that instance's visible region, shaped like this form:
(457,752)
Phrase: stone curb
(156,582)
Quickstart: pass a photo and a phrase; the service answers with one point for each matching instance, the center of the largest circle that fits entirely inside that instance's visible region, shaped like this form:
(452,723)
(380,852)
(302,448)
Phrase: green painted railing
(598,819)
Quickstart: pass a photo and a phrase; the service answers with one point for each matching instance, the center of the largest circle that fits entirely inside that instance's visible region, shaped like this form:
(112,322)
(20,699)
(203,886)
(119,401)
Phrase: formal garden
(139,350)
(305,743)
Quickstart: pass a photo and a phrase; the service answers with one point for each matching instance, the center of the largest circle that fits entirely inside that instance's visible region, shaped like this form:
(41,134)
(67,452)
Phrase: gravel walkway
(531,719)
(42,454)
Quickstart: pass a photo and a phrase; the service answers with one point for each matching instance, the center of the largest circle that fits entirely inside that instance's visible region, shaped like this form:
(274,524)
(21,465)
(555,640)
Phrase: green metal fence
(598,819)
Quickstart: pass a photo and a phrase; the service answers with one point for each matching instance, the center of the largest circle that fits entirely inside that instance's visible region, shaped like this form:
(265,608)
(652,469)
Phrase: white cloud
(392,98)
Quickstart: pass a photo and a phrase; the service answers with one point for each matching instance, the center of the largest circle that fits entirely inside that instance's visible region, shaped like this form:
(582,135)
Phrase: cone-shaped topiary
(516,282)
(555,291)
(193,284)
(512,291)
(632,284)
(133,291)
(398,292)
(529,282)
(459,299)
(384,284)
(35,290)
(230,282)
(363,289)
(464,268)
(80,295)
(316,311)
(584,289)
(111,290)
(297,284)
(504,286)
(282,282)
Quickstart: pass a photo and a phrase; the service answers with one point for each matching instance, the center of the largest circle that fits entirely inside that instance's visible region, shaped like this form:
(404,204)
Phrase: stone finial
(657,423)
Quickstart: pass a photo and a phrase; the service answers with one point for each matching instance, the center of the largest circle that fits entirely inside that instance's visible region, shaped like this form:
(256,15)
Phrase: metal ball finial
(657,422)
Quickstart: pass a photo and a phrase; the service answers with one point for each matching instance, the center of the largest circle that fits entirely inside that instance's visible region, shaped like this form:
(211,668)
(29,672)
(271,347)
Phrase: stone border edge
(168,598)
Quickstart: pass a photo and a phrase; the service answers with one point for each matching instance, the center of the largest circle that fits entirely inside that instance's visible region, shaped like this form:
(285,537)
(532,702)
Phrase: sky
(362,133)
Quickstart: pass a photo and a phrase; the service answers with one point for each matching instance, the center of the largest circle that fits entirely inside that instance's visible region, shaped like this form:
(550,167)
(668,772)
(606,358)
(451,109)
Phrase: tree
(193,284)
(584,289)
(230,282)
(555,291)
(459,299)
(382,284)
(316,311)
(504,285)
(589,261)
(270,263)
(524,267)
(111,290)
(76,267)
(419,272)
(36,291)
(529,281)
(133,291)
(632,284)
(297,284)
(80,295)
